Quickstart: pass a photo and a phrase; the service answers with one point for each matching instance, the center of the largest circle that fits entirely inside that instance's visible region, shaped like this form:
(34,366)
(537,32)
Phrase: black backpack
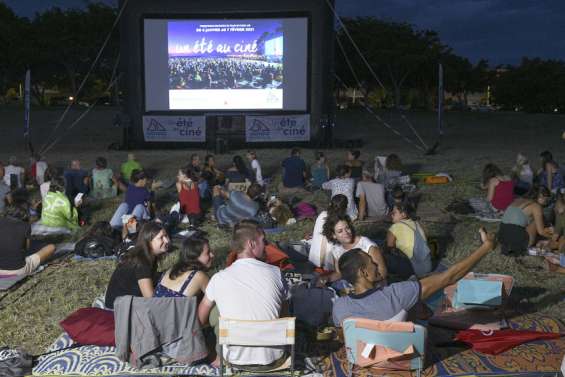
(95,247)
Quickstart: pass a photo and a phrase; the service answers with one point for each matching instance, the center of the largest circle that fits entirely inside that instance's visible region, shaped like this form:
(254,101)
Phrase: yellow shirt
(404,233)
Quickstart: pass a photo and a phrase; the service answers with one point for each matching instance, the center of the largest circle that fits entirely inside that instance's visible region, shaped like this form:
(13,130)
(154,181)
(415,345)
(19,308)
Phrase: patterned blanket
(534,359)
(101,361)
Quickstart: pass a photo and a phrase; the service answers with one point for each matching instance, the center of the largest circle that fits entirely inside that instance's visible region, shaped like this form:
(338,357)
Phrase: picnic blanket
(102,361)
(478,208)
(534,359)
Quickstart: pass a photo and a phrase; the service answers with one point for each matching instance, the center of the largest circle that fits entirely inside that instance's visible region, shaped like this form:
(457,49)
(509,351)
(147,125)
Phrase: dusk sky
(502,31)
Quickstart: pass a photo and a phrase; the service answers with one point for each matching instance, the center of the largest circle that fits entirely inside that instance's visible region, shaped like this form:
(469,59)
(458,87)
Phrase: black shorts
(513,239)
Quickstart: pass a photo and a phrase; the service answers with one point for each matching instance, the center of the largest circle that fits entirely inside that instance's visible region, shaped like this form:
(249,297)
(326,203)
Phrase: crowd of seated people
(375,281)
(223,73)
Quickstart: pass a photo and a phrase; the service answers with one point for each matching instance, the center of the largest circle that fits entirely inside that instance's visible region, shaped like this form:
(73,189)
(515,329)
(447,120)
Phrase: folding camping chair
(239,186)
(270,333)
(384,345)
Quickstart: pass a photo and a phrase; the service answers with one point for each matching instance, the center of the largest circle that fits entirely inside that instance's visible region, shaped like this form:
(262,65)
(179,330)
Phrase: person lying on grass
(136,272)
(370,300)
(15,233)
(233,206)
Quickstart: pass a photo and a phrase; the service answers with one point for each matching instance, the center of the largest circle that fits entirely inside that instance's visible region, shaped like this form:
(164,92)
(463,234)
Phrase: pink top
(503,195)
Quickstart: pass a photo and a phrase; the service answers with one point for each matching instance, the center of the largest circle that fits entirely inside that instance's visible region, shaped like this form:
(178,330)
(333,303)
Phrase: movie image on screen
(229,64)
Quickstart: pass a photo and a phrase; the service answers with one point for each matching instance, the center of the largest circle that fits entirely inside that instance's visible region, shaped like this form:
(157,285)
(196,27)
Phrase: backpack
(304,210)
(95,247)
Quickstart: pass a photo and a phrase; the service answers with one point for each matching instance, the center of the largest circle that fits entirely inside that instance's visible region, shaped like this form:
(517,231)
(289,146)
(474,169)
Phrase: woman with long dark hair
(320,250)
(340,232)
(238,172)
(188,275)
(136,272)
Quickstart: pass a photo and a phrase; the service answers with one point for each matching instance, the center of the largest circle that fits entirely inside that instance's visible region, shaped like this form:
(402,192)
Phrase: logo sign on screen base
(277,128)
(174,128)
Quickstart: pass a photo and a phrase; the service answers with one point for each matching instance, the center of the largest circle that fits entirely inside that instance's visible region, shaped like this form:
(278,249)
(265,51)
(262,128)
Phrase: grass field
(29,314)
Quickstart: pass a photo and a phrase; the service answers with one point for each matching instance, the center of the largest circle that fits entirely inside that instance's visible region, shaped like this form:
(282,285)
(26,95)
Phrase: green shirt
(128,167)
(57,211)
(102,185)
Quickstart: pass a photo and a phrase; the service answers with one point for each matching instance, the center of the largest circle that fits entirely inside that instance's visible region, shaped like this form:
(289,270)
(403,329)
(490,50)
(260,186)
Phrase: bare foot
(216,362)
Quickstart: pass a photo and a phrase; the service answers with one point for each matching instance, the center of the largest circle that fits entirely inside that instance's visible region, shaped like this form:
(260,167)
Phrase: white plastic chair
(269,333)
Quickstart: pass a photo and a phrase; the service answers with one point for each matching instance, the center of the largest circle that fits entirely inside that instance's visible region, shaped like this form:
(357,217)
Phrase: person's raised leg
(116,221)
(140,212)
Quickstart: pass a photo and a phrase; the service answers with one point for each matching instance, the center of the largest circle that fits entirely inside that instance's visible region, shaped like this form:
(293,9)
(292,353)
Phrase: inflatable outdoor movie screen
(226,64)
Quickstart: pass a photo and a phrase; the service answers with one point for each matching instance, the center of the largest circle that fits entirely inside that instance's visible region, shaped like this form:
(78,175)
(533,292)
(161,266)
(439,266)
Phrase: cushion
(90,326)
(478,292)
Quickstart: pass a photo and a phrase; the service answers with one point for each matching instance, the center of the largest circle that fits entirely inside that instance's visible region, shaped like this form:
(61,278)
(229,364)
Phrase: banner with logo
(174,128)
(277,128)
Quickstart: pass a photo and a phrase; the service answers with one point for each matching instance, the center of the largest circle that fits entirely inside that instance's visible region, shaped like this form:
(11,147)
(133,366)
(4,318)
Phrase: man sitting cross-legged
(247,290)
(371,301)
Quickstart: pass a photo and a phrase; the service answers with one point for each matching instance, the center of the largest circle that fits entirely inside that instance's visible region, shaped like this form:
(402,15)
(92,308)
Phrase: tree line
(59,46)
(403,70)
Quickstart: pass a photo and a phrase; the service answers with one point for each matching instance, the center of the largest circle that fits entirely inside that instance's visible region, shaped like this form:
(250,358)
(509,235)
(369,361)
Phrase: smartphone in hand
(78,199)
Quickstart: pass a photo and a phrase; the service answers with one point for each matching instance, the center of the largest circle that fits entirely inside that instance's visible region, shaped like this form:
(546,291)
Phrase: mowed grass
(30,313)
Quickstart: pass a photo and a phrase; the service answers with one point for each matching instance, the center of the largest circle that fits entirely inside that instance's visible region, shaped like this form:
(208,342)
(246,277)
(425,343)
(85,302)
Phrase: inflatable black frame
(320,65)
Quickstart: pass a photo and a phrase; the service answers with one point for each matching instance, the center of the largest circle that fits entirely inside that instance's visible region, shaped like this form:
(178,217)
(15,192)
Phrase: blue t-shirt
(294,168)
(74,182)
(136,195)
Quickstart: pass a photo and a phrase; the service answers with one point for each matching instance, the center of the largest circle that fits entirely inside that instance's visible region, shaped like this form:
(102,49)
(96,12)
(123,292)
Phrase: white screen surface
(234,64)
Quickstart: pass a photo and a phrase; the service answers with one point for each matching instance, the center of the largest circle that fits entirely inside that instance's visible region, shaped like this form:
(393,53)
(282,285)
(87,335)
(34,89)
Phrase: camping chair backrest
(396,337)
(239,186)
(277,332)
